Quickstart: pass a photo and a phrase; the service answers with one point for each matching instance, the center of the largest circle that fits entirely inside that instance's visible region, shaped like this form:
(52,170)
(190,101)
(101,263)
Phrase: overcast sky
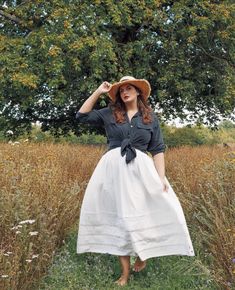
(177,122)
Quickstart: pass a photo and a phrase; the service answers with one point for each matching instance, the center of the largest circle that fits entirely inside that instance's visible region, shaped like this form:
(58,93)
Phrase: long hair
(118,108)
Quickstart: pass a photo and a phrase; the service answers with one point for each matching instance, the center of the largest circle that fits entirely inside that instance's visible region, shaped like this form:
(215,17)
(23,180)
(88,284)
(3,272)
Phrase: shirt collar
(134,116)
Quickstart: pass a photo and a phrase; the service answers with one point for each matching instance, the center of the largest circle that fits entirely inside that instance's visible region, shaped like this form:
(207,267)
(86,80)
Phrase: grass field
(99,271)
(41,189)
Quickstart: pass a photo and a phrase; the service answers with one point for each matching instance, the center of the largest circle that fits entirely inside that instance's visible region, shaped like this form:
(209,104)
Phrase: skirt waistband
(126,149)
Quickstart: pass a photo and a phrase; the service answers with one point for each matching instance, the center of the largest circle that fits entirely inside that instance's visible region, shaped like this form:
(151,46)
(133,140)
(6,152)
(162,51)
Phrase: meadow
(41,190)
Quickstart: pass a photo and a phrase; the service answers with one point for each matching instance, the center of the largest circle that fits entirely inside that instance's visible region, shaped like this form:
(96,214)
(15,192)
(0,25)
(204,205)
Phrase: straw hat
(142,84)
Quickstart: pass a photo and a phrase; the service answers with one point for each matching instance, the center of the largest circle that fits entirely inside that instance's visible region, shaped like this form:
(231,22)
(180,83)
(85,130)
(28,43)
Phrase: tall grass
(204,180)
(40,196)
(42,185)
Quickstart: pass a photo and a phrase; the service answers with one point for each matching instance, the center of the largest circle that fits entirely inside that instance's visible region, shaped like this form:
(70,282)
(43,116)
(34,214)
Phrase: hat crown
(142,84)
(127,78)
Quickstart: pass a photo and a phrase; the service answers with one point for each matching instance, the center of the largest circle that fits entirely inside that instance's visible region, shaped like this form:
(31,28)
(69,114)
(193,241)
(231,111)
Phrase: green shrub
(173,136)
(92,139)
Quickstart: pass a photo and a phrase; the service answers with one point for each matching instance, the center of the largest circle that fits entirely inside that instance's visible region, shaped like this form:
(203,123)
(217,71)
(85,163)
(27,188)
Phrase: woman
(129,208)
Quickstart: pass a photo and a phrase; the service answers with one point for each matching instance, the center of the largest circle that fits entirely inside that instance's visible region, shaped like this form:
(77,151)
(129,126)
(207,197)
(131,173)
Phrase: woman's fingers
(165,185)
(106,86)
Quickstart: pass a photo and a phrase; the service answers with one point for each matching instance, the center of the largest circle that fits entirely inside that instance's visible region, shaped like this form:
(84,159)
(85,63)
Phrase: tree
(55,53)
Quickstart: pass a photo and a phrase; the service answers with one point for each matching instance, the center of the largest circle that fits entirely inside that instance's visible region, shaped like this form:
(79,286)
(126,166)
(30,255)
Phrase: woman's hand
(104,87)
(164,184)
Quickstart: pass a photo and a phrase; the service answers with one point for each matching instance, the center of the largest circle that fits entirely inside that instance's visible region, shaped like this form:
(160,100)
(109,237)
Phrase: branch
(24,2)
(11,17)
(17,20)
(215,57)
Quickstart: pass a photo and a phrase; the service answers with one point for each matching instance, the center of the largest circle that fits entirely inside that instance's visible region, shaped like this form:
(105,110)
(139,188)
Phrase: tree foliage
(54,54)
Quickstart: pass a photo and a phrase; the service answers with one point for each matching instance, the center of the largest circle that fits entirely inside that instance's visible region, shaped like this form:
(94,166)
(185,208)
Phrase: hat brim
(142,84)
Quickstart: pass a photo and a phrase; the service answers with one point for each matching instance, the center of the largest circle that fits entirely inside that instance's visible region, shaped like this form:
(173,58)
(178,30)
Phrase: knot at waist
(126,148)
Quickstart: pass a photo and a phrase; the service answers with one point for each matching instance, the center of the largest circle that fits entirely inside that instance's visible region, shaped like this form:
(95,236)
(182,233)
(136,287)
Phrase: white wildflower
(28,260)
(9,132)
(18,232)
(16,227)
(33,233)
(27,222)
(9,253)
(35,256)
(4,276)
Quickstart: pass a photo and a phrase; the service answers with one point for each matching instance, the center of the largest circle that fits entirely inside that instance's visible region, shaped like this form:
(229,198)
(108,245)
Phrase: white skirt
(126,212)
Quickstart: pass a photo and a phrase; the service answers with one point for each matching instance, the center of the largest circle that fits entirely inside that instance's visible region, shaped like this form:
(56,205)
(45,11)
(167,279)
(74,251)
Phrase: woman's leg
(139,265)
(125,263)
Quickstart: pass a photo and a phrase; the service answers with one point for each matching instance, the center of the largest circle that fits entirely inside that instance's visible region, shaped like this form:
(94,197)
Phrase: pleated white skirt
(126,212)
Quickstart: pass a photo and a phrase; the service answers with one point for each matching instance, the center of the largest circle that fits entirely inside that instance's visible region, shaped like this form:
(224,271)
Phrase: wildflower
(16,227)
(33,233)
(35,256)
(4,276)
(18,232)
(28,260)
(9,132)
(9,253)
(27,222)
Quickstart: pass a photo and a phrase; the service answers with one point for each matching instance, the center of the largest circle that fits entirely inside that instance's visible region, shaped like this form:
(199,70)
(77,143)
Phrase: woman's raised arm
(87,114)
(90,102)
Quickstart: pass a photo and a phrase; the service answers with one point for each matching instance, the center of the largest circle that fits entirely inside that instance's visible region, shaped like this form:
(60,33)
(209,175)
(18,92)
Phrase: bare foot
(122,280)
(139,265)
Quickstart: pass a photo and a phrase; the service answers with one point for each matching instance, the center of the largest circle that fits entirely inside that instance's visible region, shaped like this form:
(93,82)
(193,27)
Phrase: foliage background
(53,54)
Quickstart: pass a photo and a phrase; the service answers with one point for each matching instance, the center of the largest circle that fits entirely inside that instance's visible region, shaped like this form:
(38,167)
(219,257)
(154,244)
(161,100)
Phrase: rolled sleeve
(94,117)
(156,144)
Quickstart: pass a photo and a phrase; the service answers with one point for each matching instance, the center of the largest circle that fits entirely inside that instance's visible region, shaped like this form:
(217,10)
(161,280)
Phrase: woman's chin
(128,100)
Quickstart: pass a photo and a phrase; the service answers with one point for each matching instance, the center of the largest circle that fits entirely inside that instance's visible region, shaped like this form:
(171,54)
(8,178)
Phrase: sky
(177,122)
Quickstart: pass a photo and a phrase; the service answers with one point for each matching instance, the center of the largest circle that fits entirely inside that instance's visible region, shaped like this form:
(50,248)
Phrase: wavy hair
(118,108)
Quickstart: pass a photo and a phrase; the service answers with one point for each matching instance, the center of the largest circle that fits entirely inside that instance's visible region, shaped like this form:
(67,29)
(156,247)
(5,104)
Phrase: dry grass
(43,184)
(204,181)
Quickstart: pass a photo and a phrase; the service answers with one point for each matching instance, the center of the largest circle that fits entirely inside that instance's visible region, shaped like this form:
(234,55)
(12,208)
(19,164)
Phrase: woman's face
(128,93)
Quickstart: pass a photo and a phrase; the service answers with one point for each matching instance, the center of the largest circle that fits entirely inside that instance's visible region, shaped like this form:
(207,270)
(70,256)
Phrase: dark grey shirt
(130,135)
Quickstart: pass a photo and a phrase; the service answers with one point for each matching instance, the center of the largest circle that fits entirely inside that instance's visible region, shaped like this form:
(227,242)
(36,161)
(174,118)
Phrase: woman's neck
(131,107)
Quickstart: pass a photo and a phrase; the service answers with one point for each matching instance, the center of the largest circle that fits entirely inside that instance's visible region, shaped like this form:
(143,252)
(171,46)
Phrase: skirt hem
(149,253)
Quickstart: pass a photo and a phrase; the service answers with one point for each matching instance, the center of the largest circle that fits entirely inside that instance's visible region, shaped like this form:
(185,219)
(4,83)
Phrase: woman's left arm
(157,147)
(159,164)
